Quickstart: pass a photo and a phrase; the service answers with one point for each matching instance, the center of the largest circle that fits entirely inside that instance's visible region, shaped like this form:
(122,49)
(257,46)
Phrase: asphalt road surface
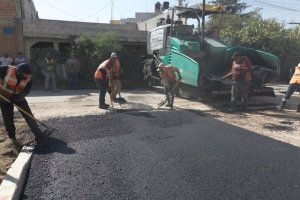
(160,155)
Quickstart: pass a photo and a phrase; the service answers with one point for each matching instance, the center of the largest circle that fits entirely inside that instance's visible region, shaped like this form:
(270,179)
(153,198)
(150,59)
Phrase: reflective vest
(98,74)
(49,64)
(243,73)
(296,76)
(9,86)
(168,73)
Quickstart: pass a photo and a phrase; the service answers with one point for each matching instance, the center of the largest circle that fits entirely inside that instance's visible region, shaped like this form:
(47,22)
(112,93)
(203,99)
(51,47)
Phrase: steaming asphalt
(160,155)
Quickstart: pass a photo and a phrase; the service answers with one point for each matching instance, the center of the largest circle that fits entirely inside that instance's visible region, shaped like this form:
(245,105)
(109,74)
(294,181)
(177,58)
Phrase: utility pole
(112,10)
(203,22)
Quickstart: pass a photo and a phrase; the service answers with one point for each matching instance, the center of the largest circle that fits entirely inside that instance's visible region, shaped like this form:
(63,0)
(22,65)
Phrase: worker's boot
(298,108)
(104,106)
(281,106)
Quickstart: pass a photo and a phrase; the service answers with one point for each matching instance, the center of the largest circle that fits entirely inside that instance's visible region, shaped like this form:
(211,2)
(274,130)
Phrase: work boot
(17,145)
(104,106)
(281,106)
(115,100)
(298,108)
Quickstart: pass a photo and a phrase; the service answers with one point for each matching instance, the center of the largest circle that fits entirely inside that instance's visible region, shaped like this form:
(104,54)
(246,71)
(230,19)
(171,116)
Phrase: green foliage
(250,30)
(92,51)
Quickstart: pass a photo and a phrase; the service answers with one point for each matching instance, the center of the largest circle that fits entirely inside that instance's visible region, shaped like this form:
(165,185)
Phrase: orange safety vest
(296,76)
(98,74)
(168,73)
(9,86)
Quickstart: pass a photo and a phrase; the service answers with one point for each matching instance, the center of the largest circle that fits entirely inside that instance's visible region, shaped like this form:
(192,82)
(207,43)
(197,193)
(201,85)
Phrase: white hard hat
(298,65)
(113,55)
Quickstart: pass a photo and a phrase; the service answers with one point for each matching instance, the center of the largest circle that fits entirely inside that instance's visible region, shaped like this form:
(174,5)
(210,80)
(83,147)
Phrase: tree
(92,51)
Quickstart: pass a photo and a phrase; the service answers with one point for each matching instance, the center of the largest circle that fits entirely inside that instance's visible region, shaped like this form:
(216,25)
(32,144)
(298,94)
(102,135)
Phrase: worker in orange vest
(15,84)
(169,80)
(293,86)
(103,77)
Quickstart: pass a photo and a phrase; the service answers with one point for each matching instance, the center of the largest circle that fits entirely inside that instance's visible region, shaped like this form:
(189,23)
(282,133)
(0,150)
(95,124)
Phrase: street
(144,153)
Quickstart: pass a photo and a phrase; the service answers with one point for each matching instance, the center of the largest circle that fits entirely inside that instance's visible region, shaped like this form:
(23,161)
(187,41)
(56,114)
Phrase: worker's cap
(236,54)
(113,55)
(298,65)
(23,68)
(160,66)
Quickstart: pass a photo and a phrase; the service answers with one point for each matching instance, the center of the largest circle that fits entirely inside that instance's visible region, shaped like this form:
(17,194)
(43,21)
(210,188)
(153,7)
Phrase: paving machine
(201,59)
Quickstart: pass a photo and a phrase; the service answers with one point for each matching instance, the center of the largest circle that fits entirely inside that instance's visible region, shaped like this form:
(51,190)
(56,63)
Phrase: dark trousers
(291,89)
(169,92)
(73,80)
(7,110)
(101,85)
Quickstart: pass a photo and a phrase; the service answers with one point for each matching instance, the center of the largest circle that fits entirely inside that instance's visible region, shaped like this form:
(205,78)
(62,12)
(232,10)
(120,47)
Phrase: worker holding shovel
(15,84)
(168,76)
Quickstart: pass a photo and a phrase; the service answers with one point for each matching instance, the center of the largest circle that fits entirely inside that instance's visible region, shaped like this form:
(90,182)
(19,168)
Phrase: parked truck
(202,60)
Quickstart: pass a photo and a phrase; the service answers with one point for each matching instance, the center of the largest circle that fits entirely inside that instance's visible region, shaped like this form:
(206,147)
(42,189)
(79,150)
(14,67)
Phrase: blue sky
(100,10)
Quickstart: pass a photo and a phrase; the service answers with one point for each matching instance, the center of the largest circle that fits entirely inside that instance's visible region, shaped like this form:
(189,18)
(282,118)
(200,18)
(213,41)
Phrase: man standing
(102,77)
(241,77)
(15,84)
(49,70)
(19,59)
(6,60)
(168,76)
(73,68)
(293,86)
(116,84)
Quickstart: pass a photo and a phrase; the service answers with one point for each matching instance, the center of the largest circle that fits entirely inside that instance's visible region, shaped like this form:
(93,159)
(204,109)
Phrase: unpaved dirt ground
(261,118)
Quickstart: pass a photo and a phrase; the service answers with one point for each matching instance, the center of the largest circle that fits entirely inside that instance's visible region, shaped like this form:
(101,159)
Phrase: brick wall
(8,29)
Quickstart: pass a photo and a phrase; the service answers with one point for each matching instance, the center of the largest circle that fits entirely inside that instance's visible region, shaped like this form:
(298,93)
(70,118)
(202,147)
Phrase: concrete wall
(55,31)
(67,30)
(28,10)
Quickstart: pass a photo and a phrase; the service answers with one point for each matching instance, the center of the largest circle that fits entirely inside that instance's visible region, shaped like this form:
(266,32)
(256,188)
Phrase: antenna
(112,10)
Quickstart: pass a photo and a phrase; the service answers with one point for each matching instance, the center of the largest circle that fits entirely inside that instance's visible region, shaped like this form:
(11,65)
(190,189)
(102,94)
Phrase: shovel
(165,101)
(23,111)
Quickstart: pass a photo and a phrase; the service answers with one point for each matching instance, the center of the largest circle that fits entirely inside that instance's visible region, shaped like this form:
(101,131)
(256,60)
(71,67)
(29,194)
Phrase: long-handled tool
(24,111)
(165,101)
(112,104)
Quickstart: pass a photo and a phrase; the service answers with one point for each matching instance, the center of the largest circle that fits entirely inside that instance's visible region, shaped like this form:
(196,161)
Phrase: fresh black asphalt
(160,155)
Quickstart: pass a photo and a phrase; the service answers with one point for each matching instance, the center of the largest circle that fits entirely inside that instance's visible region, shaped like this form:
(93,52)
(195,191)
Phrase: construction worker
(293,86)
(15,84)
(49,71)
(73,69)
(168,77)
(241,77)
(116,81)
(103,79)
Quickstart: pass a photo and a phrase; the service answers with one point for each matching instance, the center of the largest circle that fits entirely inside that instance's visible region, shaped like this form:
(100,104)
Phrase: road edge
(12,184)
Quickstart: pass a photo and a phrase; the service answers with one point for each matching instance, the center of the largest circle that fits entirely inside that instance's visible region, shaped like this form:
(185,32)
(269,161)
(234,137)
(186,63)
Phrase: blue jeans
(73,80)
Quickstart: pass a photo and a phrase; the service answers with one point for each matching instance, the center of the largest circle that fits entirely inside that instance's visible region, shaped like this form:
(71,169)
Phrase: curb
(12,184)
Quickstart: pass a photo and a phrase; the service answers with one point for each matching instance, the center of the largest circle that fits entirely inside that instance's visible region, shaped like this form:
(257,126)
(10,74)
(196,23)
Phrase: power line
(277,6)
(59,9)
(95,13)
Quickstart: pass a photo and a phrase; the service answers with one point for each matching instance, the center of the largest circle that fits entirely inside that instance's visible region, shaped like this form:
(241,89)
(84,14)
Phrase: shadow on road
(51,145)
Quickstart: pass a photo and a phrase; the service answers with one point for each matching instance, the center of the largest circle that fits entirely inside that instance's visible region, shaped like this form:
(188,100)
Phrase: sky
(100,10)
